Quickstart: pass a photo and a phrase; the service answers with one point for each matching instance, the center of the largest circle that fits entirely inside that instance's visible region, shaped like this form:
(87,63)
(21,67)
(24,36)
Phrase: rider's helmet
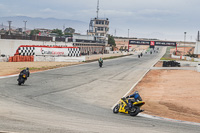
(27,69)
(100,59)
(136,94)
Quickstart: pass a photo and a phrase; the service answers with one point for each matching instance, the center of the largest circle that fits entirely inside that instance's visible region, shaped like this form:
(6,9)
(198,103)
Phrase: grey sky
(163,19)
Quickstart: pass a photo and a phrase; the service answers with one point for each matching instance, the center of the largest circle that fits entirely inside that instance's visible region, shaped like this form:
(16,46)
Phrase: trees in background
(34,32)
(58,32)
(111,41)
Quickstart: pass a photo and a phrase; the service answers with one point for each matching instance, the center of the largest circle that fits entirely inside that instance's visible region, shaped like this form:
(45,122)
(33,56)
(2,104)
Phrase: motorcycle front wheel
(116,109)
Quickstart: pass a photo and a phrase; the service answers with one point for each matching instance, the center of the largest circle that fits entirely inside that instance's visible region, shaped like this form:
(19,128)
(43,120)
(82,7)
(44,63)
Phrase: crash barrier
(3,59)
(171,64)
(28,50)
(198,67)
(185,58)
(20,58)
(58,59)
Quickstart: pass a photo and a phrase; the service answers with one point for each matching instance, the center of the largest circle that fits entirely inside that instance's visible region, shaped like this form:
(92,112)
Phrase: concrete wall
(185,58)
(59,59)
(9,46)
(83,37)
(3,59)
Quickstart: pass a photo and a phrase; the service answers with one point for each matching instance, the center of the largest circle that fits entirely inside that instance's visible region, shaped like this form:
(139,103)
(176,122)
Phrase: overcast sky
(162,19)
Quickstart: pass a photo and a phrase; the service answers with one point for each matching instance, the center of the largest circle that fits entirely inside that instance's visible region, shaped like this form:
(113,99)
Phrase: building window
(101,34)
(100,22)
(100,28)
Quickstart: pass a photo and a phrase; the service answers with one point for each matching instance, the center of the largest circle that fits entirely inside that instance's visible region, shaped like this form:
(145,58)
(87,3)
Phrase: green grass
(165,58)
(112,57)
(42,68)
(148,49)
(30,68)
(167,54)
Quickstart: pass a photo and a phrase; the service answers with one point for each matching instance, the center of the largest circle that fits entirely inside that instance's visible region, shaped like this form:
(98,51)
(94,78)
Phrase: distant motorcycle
(100,63)
(122,107)
(22,78)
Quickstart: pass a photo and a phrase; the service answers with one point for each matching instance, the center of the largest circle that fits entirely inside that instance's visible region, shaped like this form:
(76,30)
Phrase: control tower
(99,27)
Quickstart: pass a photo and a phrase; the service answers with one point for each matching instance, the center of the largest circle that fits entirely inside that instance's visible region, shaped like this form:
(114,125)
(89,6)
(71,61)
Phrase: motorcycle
(22,78)
(100,63)
(122,107)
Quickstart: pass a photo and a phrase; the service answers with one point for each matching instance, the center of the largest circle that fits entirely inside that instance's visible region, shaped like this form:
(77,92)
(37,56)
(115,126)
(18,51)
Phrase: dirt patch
(9,68)
(159,64)
(182,50)
(171,94)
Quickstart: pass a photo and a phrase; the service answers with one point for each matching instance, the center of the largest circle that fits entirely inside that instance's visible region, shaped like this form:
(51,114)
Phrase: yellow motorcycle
(122,107)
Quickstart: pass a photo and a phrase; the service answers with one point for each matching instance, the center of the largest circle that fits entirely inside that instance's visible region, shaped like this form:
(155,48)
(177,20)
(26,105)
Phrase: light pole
(9,22)
(25,26)
(184,41)
(128,33)
(128,40)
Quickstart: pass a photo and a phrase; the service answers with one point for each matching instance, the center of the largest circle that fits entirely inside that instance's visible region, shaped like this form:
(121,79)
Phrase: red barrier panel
(17,58)
(26,58)
(10,59)
(13,59)
(20,58)
(32,58)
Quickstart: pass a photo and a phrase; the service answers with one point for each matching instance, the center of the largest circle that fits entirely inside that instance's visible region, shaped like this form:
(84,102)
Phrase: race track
(78,99)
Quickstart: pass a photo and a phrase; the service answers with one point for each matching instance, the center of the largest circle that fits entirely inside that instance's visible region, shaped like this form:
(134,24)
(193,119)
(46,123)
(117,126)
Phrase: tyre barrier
(171,64)
(20,58)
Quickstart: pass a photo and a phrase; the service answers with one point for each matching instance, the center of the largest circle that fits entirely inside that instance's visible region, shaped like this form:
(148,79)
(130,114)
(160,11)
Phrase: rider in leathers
(25,71)
(136,97)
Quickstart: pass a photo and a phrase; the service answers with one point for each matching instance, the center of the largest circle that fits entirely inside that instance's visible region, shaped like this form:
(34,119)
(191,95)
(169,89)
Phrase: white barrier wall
(185,58)
(48,51)
(9,46)
(59,59)
(198,67)
(3,59)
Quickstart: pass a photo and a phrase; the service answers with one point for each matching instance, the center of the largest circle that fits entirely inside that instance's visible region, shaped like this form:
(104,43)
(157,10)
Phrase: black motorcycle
(22,78)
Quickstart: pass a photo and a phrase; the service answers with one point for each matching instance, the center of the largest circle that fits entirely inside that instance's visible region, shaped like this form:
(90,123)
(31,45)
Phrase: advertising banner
(159,43)
(152,43)
(51,51)
(139,42)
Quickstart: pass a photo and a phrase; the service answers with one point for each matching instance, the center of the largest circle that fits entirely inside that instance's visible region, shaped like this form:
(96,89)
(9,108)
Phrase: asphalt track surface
(78,99)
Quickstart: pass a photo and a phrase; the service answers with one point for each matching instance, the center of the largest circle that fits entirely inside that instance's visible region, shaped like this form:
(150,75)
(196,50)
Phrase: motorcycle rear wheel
(134,111)
(116,109)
